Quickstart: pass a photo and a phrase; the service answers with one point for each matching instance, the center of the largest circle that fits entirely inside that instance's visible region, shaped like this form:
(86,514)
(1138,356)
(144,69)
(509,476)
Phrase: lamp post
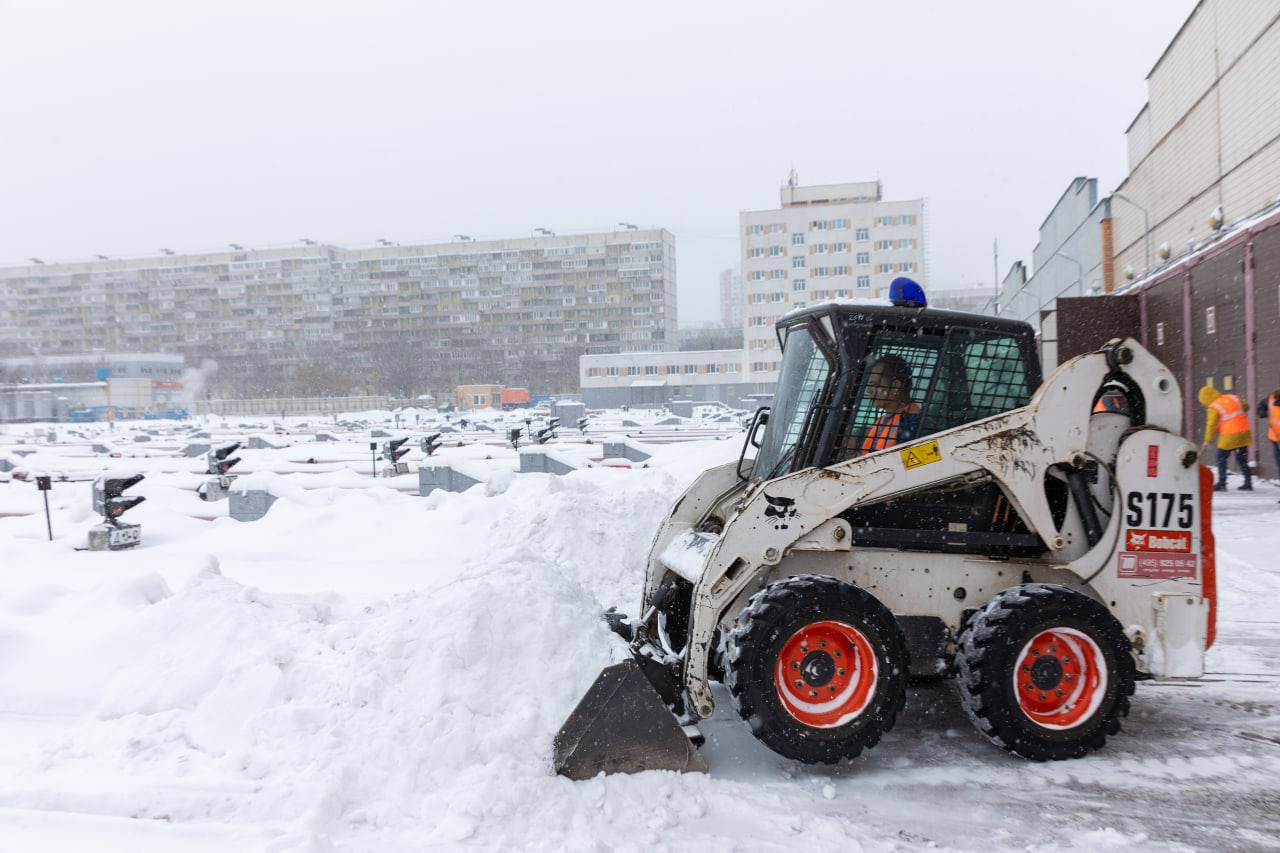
(1146,224)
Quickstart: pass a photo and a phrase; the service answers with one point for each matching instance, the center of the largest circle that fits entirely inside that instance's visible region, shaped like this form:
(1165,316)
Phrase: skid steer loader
(919,504)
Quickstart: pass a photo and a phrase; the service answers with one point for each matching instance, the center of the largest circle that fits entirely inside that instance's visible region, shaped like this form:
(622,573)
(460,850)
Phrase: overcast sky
(127,126)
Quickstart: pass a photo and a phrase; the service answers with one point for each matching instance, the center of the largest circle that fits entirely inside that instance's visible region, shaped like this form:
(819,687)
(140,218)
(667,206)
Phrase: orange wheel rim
(1060,678)
(826,674)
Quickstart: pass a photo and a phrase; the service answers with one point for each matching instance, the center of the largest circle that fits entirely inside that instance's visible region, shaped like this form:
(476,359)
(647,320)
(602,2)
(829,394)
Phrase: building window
(776,228)
(756,252)
(818,225)
(906,244)
(776,251)
(862,235)
(884,267)
(755,229)
(611,371)
(907,219)
(884,244)
(797,305)
(777,297)
(651,370)
(863,258)
(798,285)
(757,275)
(864,281)
(818,272)
(1210,321)
(797,263)
(906,267)
(840,223)
(759,321)
(797,239)
(839,247)
(691,368)
(777,274)
(633,370)
(713,368)
(1159,334)
(818,249)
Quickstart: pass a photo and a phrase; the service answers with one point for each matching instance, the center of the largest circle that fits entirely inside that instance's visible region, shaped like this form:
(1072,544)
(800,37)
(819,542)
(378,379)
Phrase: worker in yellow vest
(1227,417)
(1269,410)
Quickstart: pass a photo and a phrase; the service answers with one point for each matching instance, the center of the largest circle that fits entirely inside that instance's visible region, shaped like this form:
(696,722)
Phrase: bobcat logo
(1137,541)
(780,510)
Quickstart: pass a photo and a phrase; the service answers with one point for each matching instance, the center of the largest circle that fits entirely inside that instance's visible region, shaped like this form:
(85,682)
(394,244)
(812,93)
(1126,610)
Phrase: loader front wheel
(818,668)
(1045,672)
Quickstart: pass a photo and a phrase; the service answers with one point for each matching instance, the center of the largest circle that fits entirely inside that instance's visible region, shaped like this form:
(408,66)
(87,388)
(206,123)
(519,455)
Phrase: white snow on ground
(367,670)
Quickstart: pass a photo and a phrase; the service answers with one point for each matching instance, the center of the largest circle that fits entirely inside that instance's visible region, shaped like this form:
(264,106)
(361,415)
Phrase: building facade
(653,379)
(828,241)
(1212,317)
(731,299)
(1205,148)
(401,318)
(1069,259)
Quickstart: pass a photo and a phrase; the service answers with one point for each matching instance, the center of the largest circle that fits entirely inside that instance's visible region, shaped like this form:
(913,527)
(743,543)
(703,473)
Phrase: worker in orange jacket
(1227,416)
(1269,411)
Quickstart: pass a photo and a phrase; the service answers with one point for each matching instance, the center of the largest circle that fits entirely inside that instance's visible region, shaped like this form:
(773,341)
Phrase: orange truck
(514,398)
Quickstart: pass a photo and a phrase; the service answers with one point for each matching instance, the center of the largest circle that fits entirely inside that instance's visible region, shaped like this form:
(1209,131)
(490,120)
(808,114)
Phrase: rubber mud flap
(622,725)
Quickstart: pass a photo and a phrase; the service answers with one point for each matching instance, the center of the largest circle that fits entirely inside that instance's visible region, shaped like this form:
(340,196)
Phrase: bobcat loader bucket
(625,723)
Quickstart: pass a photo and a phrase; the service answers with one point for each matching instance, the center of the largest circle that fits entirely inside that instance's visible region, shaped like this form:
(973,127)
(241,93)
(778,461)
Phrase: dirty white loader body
(1082,560)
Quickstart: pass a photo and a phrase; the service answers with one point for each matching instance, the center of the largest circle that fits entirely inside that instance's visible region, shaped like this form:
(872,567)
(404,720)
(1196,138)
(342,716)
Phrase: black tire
(874,685)
(1030,724)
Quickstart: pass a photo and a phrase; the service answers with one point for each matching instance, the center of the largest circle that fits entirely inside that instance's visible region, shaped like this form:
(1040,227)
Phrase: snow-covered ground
(368,670)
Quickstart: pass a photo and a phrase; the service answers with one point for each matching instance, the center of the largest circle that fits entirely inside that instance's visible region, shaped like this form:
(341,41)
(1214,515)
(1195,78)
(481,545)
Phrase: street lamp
(1146,223)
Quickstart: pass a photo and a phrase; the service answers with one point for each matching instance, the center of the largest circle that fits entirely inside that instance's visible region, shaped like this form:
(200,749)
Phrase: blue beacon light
(907,293)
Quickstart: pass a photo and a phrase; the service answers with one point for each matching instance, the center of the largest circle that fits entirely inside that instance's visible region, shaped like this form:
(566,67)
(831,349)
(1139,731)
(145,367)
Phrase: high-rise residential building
(828,241)
(731,299)
(397,318)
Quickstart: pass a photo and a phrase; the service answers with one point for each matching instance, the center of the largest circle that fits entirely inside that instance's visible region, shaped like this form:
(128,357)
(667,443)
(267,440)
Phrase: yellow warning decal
(924,454)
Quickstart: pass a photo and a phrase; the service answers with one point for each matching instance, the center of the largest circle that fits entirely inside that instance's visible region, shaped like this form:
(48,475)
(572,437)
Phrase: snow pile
(365,670)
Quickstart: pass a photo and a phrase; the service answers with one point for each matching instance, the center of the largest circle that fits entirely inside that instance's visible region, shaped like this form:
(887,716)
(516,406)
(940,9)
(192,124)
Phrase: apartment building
(1205,149)
(397,318)
(731,299)
(654,379)
(827,241)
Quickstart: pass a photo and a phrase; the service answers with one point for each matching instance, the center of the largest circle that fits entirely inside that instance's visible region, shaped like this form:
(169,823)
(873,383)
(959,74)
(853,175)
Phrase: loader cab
(858,378)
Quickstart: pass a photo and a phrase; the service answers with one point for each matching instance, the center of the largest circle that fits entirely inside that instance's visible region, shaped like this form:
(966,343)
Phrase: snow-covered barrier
(543,460)
(626,449)
(249,504)
(191,451)
(442,476)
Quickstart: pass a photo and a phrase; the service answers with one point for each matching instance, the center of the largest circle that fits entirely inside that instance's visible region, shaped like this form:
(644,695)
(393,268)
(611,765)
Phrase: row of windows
(838,224)
(907,243)
(905,266)
(664,370)
(762,366)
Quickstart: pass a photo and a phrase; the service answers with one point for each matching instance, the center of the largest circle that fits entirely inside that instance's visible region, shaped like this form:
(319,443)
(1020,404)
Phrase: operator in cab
(889,389)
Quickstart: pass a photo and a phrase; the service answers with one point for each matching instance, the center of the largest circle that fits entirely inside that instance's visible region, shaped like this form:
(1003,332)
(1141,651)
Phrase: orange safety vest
(884,432)
(1111,401)
(1231,417)
(1273,418)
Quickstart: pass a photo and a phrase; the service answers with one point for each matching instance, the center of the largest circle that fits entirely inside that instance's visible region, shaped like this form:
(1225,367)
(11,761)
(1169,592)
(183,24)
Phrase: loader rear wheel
(818,668)
(1045,672)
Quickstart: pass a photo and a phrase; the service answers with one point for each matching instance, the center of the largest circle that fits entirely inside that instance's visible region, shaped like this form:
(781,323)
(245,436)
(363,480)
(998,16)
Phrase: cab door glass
(889,406)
